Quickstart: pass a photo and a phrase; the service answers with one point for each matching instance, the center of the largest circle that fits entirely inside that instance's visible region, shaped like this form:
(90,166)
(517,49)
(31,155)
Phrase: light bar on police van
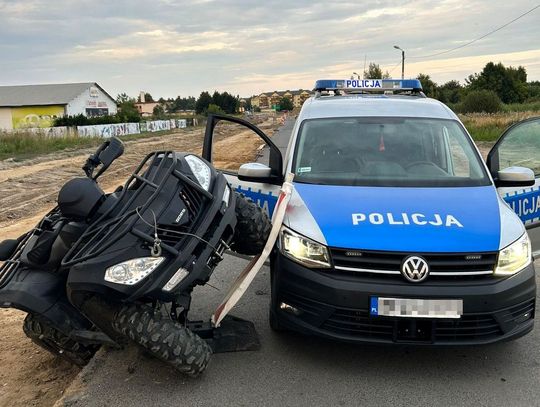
(368,84)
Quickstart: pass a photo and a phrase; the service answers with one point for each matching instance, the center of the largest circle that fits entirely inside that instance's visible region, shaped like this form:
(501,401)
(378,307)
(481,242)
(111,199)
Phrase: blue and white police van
(397,231)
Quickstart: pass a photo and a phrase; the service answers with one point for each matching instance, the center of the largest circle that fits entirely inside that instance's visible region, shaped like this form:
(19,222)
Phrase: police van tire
(42,332)
(274,323)
(252,227)
(164,339)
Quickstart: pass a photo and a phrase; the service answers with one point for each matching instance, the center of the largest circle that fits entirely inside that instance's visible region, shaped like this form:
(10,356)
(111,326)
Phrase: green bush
(481,101)
(212,108)
(82,120)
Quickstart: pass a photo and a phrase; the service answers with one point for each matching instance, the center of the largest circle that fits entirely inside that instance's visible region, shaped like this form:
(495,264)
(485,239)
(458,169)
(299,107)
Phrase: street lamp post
(402,61)
(358,76)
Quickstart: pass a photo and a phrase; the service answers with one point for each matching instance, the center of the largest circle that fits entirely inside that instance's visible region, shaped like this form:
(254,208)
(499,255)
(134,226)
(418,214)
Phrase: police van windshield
(387,151)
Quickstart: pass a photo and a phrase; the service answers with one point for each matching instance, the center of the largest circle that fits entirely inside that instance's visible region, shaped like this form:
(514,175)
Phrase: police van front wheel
(274,323)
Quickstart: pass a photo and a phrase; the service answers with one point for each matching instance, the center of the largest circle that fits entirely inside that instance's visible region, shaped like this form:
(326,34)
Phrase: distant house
(267,100)
(145,108)
(38,105)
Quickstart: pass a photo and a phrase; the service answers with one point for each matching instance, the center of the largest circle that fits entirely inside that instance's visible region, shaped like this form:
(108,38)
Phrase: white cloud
(171,47)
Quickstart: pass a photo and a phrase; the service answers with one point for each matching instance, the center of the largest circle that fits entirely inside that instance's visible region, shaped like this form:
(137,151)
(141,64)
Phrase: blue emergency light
(368,84)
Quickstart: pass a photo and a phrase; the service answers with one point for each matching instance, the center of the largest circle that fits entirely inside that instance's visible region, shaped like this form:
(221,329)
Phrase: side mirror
(255,172)
(104,156)
(515,177)
(114,149)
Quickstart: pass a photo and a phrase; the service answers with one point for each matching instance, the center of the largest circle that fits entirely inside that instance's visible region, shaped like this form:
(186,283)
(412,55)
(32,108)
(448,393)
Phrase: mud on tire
(252,227)
(42,333)
(165,339)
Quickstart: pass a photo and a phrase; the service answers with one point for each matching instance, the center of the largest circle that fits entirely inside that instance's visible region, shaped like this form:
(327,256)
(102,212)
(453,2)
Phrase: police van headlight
(515,257)
(303,250)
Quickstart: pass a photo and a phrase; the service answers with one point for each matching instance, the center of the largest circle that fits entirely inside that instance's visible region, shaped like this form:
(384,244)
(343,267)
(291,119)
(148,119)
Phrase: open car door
(227,139)
(514,163)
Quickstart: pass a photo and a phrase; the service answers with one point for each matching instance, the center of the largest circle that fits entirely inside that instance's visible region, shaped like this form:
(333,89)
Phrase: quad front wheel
(164,338)
(252,227)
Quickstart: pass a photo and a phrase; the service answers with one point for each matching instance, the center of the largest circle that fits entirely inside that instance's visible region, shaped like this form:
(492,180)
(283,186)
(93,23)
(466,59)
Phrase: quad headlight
(303,250)
(200,170)
(514,257)
(132,271)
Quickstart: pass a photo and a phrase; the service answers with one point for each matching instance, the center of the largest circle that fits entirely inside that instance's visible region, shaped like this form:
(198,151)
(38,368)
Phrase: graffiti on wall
(35,116)
(108,130)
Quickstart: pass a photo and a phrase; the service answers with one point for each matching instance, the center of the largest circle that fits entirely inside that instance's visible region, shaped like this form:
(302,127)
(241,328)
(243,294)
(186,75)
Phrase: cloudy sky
(173,47)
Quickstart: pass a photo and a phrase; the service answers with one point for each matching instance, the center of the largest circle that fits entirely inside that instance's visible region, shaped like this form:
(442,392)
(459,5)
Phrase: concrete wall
(91,98)
(6,122)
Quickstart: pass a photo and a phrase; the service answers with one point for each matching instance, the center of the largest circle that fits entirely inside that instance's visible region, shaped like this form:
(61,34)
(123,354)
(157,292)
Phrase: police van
(396,230)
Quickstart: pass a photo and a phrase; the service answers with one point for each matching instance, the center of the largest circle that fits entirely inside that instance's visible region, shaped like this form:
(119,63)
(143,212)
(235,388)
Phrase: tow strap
(243,281)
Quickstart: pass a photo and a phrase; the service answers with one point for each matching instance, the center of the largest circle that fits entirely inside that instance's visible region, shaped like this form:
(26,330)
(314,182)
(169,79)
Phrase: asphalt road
(281,139)
(294,370)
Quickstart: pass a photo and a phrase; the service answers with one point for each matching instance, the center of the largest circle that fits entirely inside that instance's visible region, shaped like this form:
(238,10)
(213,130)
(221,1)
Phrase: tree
(533,90)
(510,84)
(428,86)
(148,97)
(182,104)
(286,104)
(158,112)
(450,92)
(122,98)
(229,103)
(201,106)
(217,99)
(127,111)
(374,71)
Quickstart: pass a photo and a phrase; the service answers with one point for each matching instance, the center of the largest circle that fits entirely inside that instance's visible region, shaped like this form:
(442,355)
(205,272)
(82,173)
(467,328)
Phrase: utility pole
(402,61)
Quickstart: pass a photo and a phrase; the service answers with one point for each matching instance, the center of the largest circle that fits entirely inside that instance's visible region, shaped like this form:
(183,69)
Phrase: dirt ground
(30,376)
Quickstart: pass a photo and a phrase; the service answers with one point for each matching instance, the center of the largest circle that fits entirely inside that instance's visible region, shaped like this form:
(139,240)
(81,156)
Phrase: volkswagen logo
(415,269)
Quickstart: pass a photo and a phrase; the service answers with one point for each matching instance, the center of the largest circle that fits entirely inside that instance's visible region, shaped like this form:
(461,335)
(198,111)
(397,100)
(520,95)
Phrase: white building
(38,105)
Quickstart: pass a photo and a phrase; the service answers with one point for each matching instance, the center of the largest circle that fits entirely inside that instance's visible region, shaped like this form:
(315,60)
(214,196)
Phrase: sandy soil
(30,376)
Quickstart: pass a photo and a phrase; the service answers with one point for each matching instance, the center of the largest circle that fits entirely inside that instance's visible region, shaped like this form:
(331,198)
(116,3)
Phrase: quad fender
(43,293)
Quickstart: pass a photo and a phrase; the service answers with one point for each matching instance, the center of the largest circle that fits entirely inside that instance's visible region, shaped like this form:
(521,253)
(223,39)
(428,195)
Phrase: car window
(387,151)
(458,156)
(520,147)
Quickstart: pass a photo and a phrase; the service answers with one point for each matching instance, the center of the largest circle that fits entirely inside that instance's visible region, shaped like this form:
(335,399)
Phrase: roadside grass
(522,107)
(24,145)
(489,126)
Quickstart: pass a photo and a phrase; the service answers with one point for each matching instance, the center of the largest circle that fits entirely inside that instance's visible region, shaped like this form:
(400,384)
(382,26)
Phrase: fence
(109,130)
(122,129)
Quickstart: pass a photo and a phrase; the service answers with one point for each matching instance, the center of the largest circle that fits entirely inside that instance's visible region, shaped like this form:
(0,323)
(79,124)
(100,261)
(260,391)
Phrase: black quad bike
(107,268)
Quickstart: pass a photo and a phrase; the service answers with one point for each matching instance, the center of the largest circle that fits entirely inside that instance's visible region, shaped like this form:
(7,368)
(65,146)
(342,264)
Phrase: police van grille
(359,323)
(441,265)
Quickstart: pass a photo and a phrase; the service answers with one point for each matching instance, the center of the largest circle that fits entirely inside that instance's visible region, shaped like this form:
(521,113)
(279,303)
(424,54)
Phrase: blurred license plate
(415,308)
